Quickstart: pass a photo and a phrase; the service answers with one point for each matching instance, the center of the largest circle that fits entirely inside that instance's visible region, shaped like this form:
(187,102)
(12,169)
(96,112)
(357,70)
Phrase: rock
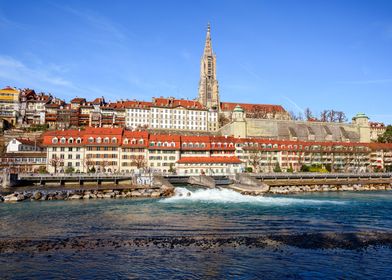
(1,198)
(158,194)
(75,196)
(11,198)
(86,196)
(136,194)
(37,195)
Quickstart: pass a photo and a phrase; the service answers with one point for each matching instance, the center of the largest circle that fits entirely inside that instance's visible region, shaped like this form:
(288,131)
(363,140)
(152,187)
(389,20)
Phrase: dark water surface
(206,213)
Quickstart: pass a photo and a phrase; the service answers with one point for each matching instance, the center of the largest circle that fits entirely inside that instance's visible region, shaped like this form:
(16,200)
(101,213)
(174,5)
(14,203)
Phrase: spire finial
(208,27)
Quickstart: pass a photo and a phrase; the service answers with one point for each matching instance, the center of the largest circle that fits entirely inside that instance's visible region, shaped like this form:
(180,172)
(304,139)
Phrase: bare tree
(87,162)
(223,120)
(296,116)
(340,117)
(324,116)
(139,162)
(55,162)
(308,114)
(254,159)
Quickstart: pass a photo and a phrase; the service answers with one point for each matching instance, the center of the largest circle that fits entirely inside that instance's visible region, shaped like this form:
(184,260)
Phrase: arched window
(152,144)
(70,140)
(203,145)
(78,140)
(159,144)
(55,140)
(141,141)
(133,141)
(99,140)
(184,145)
(114,140)
(126,141)
(190,145)
(91,140)
(106,140)
(62,140)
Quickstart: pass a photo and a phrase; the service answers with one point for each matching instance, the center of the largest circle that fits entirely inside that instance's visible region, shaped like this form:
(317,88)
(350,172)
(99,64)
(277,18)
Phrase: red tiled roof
(29,142)
(78,100)
(173,103)
(229,106)
(209,160)
(131,104)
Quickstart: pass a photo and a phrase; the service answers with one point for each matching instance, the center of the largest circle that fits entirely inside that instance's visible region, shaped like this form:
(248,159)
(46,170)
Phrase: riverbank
(77,194)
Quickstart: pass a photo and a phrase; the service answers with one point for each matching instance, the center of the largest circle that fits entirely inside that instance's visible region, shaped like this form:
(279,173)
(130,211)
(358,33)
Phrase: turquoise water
(205,213)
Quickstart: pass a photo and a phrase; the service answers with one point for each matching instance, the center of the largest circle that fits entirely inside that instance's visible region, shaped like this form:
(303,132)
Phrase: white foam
(230,196)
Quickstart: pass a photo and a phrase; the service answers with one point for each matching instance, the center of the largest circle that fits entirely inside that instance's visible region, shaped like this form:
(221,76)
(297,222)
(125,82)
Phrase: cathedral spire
(208,44)
(208,85)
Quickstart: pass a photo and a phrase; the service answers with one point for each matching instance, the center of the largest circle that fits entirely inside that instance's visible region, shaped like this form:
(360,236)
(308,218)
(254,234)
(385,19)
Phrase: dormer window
(55,140)
(91,140)
(125,141)
(99,140)
(106,140)
(141,142)
(62,141)
(78,140)
(70,140)
(114,140)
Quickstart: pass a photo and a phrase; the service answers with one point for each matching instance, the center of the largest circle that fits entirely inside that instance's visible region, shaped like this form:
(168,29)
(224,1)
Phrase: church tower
(208,85)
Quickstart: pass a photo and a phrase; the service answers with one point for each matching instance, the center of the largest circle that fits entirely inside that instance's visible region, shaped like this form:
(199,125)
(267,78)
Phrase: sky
(330,54)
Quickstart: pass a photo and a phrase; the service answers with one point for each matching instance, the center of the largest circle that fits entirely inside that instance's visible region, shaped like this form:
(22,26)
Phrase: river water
(96,237)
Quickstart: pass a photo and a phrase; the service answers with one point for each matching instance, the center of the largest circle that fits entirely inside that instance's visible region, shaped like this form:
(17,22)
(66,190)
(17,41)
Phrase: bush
(92,170)
(277,168)
(249,169)
(69,170)
(305,168)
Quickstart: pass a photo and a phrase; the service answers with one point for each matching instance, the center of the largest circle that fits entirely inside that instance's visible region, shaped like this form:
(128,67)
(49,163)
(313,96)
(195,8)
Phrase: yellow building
(9,104)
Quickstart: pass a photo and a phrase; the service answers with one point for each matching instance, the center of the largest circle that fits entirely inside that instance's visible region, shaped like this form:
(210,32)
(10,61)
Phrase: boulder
(75,196)
(37,195)
(11,198)
(136,194)
(155,194)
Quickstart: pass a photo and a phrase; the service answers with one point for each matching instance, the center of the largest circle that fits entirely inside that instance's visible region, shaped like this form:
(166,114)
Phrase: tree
(223,120)
(254,160)
(386,137)
(296,116)
(308,114)
(139,162)
(171,168)
(340,117)
(324,116)
(55,162)
(87,162)
(277,167)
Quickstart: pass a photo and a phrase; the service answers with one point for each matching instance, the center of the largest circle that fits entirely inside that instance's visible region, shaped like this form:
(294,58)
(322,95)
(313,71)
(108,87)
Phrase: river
(209,234)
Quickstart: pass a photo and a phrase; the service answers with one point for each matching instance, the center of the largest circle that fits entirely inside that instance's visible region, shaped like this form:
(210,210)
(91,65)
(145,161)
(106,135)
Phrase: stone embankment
(327,188)
(38,195)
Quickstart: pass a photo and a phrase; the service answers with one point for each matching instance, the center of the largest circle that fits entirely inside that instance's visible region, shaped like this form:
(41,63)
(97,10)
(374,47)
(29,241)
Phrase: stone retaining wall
(328,188)
(163,191)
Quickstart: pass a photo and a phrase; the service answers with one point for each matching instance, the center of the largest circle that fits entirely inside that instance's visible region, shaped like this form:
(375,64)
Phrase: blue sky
(318,54)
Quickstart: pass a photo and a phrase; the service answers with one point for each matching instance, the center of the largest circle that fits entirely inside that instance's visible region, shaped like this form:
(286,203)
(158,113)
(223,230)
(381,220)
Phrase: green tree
(386,137)
(69,170)
(277,167)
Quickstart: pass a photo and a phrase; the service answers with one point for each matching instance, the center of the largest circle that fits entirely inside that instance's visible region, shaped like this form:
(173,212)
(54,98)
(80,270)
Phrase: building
(376,129)
(23,162)
(120,150)
(209,166)
(18,145)
(9,105)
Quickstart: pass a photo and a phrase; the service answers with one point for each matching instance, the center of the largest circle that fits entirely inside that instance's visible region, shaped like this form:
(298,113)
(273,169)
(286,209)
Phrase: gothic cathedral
(208,85)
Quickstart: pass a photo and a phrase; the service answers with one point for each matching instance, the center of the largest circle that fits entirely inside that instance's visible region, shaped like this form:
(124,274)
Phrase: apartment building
(121,150)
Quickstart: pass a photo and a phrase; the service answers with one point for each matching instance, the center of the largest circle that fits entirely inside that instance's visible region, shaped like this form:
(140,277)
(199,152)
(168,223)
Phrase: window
(70,149)
(114,140)
(99,140)
(62,141)
(69,156)
(91,140)
(55,140)
(106,140)
(79,140)
(70,140)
